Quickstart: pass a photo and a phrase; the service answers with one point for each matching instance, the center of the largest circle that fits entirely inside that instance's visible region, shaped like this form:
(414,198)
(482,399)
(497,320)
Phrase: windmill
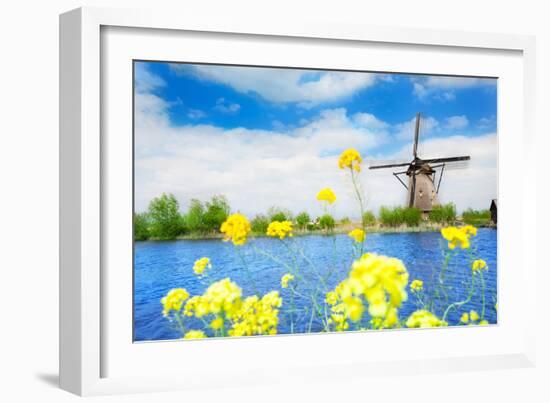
(421,188)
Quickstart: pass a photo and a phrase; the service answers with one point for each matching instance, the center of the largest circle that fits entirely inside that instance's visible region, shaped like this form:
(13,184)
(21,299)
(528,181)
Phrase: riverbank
(340,229)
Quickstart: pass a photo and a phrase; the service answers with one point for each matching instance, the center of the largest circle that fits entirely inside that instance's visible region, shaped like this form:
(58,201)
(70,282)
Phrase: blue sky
(248,110)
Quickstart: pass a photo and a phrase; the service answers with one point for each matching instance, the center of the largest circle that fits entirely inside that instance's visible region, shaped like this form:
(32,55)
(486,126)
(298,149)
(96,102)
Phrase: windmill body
(422,186)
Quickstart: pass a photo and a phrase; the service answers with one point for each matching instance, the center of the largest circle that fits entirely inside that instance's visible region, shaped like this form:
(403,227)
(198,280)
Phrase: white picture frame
(87,348)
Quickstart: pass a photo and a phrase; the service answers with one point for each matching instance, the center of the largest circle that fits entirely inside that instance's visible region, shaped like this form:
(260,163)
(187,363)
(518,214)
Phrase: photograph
(274,200)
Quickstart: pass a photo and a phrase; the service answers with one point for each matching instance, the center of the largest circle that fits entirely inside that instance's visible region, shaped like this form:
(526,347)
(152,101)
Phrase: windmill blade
(448,159)
(416,132)
(403,164)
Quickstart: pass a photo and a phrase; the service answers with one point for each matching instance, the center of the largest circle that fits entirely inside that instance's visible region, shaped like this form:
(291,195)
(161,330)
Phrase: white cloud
(226,107)
(370,121)
(255,169)
(307,88)
(406,129)
(145,80)
(456,122)
(443,87)
(195,114)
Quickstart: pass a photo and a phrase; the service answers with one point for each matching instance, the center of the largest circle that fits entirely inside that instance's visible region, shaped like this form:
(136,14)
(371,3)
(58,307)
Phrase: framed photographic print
(260,194)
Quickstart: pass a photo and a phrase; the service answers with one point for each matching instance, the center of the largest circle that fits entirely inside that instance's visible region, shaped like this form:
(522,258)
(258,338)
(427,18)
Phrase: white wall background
(29,201)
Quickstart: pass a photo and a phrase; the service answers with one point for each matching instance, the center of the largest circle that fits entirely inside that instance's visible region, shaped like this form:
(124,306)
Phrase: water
(160,266)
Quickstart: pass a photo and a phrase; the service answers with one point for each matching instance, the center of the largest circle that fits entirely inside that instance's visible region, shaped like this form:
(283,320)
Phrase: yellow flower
(417,285)
(351,159)
(331,298)
(201,264)
(194,334)
(327,195)
(280,229)
(285,279)
(216,323)
(174,300)
(357,234)
(380,280)
(478,265)
(423,318)
(465,318)
(483,323)
(474,317)
(458,236)
(257,316)
(223,296)
(236,228)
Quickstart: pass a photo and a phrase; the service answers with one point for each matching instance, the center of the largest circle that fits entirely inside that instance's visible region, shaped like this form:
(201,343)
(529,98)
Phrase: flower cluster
(417,285)
(327,195)
(280,229)
(358,235)
(223,302)
(285,280)
(459,236)
(471,318)
(236,228)
(351,159)
(201,265)
(381,281)
(194,334)
(479,265)
(423,318)
(174,300)
(257,316)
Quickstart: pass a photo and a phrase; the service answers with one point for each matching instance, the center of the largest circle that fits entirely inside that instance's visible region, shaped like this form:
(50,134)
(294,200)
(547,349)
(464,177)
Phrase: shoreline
(340,230)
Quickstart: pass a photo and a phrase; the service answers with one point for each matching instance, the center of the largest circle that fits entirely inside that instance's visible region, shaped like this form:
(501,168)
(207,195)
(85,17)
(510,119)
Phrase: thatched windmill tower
(421,188)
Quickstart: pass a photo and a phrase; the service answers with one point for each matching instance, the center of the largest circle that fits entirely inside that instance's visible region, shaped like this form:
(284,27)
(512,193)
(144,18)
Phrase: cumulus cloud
(443,87)
(304,87)
(405,130)
(456,122)
(224,106)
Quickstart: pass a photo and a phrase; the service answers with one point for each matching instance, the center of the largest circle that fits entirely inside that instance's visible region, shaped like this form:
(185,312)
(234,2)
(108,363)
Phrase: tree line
(164,221)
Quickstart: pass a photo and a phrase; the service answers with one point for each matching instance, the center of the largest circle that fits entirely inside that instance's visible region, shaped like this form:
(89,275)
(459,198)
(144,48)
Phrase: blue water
(160,266)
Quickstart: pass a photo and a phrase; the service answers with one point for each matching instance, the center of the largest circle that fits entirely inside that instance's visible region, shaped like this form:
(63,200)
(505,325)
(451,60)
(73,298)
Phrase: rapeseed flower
(465,318)
(217,323)
(195,334)
(424,318)
(479,265)
(174,300)
(474,316)
(417,285)
(201,265)
(285,279)
(280,229)
(257,316)
(357,234)
(380,280)
(458,236)
(236,228)
(327,195)
(351,159)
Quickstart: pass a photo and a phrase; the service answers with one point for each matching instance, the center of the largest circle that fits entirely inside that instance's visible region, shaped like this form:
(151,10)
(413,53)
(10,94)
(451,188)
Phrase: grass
(443,214)
(397,216)
(478,218)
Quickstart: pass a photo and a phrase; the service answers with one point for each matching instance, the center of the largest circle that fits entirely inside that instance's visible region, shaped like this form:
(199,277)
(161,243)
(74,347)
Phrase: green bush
(394,217)
(302,220)
(279,214)
(443,214)
(217,211)
(369,218)
(345,221)
(141,227)
(259,224)
(166,222)
(194,218)
(476,217)
(327,222)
